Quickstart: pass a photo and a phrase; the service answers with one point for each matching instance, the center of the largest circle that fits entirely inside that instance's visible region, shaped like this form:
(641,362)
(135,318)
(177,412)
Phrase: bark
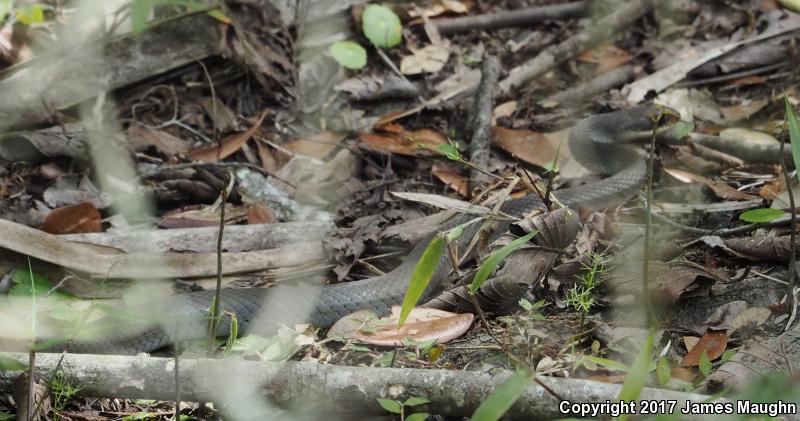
(317,388)
(511,18)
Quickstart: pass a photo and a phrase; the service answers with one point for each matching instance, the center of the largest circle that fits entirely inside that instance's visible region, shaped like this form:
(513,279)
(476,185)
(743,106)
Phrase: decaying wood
(590,37)
(66,78)
(201,240)
(312,387)
(510,18)
(110,265)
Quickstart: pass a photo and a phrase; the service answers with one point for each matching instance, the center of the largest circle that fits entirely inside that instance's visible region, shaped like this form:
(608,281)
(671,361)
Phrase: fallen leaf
(73,219)
(749,80)
(452,177)
(317,146)
(141,138)
(257,214)
(607,56)
(268,161)
(713,343)
(206,216)
(608,378)
(422,325)
(753,316)
(437,8)
(221,116)
(532,147)
(443,202)
(684,373)
(720,189)
(690,341)
(429,59)
(228,146)
(505,109)
(744,111)
(406,143)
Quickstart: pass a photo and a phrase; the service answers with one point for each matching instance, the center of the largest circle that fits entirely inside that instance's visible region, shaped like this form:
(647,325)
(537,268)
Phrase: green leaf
(607,363)
(140,14)
(487,267)
(682,129)
(349,54)
(30,14)
(381,26)
(762,215)
(5,415)
(498,402)
(414,401)
(727,355)
(218,15)
(22,280)
(419,416)
(9,364)
(705,364)
(455,232)
(663,371)
(5,9)
(451,152)
(391,406)
(637,375)
(525,304)
(794,133)
(421,277)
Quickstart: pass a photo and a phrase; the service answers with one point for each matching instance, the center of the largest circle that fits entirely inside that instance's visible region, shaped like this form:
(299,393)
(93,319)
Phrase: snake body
(594,141)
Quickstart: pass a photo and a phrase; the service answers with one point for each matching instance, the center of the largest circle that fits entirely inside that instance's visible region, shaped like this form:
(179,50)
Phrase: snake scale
(594,141)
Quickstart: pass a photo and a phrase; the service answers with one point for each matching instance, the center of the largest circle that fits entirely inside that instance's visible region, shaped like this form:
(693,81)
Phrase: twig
(216,307)
(599,84)
(482,119)
(730,76)
(511,18)
(597,33)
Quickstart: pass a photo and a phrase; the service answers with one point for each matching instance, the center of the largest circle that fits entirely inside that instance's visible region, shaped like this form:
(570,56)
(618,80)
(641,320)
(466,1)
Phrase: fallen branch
(481,120)
(603,83)
(86,258)
(511,18)
(590,37)
(65,78)
(332,389)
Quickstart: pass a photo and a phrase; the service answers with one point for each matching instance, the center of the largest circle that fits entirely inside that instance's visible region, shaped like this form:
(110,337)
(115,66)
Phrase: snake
(597,142)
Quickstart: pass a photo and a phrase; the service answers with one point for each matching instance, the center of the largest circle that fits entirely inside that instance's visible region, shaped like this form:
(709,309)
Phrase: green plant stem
(217,305)
(648,305)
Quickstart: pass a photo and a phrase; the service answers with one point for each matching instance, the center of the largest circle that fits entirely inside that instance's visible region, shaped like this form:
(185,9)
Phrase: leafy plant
(581,296)
(663,371)
(381,26)
(62,391)
(501,399)
(487,266)
(533,308)
(705,364)
(349,54)
(421,277)
(397,407)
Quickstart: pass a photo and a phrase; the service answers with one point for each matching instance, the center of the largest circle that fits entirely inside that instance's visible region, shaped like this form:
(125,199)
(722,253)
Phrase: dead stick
(333,389)
(482,119)
(511,18)
(590,37)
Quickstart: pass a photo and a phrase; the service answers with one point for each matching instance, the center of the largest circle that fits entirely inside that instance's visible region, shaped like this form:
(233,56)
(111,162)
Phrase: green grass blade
(421,277)
(637,376)
(794,133)
(494,259)
(498,402)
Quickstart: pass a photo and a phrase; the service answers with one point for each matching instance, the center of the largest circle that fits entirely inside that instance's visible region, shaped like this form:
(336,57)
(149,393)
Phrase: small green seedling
(399,408)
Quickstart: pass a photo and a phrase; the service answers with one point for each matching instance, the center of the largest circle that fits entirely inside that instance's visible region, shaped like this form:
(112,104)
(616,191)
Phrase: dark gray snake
(594,141)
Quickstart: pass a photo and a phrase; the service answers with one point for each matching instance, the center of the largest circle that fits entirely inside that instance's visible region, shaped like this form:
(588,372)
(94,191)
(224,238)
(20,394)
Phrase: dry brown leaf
(268,161)
(684,373)
(772,189)
(257,214)
(205,216)
(141,138)
(608,378)
(73,219)
(712,343)
(228,146)
(532,147)
(429,59)
(744,111)
(607,56)
(422,324)
(749,80)
(317,146)
(221,116)
(406,143)
(690,341)
(720,189)
(505,109)
(452,177)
